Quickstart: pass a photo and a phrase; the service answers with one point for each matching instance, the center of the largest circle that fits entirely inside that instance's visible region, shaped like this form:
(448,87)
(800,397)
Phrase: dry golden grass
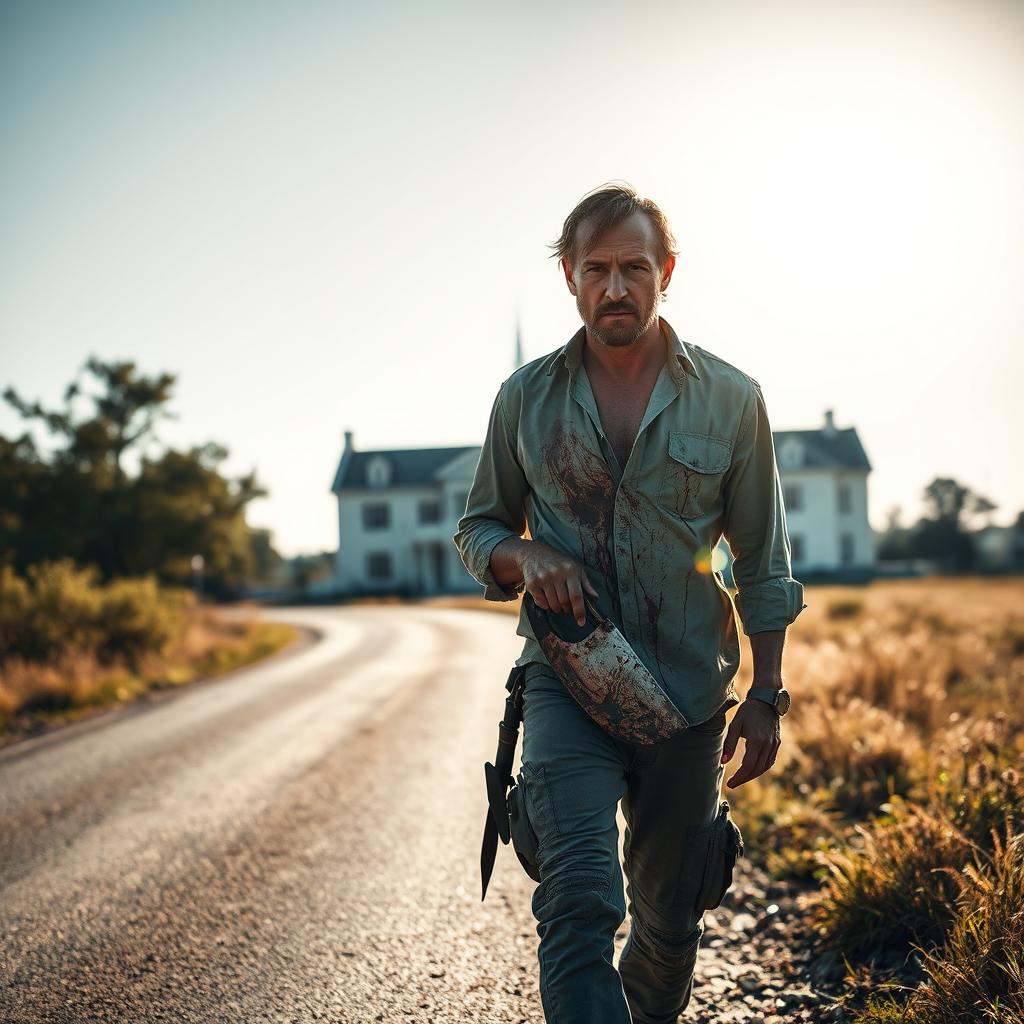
(892,684)
(75,683)
(907,730)
(901,766)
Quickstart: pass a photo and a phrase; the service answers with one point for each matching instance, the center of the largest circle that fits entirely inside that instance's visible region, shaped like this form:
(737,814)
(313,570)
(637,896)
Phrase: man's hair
(606,206)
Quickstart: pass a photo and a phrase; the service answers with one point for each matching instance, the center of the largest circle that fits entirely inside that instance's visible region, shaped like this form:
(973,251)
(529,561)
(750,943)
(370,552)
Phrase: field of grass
(70,646)
(898,794)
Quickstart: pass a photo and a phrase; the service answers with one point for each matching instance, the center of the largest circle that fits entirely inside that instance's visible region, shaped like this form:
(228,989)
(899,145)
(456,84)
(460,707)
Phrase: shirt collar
(676,353)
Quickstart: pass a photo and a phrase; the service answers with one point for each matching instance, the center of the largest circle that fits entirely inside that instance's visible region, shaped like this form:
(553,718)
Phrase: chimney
(830,427)
(349,446)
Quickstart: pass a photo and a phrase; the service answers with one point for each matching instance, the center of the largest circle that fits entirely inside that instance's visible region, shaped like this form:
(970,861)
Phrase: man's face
(618,281)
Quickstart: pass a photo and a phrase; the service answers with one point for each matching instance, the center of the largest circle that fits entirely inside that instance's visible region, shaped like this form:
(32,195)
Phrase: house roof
(410,467)
(824,449)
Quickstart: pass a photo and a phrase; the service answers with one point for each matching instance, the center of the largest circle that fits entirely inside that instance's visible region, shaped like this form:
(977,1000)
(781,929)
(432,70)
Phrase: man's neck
(629,364)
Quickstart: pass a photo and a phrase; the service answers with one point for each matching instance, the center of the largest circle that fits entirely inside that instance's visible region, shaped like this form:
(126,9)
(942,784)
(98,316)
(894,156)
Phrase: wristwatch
(777,696)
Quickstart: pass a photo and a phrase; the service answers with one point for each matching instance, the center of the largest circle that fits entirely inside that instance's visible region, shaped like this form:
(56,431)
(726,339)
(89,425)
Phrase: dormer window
(378,472)
(791,454)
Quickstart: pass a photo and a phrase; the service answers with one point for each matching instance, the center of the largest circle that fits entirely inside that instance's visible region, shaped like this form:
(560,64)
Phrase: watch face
(782,702)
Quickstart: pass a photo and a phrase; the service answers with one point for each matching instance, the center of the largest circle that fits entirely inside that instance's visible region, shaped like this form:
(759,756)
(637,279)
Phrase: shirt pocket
(691,484)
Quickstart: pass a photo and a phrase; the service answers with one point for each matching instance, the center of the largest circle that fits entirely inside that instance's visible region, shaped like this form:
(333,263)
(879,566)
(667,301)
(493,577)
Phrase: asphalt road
(298,841)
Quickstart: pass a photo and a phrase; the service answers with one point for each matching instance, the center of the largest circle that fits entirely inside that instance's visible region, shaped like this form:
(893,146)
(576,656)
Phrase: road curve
(298,841)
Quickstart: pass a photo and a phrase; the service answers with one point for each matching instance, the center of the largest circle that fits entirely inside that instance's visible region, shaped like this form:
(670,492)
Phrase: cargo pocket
(694,470)
(524,836)
(725,844)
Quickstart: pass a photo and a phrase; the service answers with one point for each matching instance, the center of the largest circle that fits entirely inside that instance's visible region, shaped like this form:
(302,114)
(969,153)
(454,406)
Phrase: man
(629,453)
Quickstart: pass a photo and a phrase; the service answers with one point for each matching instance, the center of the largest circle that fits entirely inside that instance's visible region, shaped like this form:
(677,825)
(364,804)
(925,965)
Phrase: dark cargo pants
(573,775)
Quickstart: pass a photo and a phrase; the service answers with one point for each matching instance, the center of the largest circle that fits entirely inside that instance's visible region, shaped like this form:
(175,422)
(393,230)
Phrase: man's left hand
(758,724)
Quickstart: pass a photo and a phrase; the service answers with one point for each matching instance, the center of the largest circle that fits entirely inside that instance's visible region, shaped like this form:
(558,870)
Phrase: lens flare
(702,560)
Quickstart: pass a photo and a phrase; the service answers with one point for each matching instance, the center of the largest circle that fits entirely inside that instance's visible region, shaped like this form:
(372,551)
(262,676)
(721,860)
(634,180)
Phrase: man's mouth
(618,312)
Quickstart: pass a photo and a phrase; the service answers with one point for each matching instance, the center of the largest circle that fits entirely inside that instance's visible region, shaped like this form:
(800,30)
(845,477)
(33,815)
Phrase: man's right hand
(556,581)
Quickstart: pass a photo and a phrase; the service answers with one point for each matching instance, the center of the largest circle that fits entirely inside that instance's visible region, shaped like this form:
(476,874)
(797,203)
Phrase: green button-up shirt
(702,465)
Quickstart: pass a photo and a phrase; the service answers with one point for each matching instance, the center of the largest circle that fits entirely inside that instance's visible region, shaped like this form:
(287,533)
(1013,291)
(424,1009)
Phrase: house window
(461,500)
(378,565)
(846,548)
(376,516)
(844,498)
(793,495)
(429,511)
(796,544)
(378,472)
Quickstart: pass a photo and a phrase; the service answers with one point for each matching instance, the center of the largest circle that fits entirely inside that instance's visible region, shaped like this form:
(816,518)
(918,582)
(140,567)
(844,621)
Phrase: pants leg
(672,798)
(573,778)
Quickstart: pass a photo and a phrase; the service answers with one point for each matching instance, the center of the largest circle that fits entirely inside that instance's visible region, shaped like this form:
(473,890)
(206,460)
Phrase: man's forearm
(767,650)
(505,564)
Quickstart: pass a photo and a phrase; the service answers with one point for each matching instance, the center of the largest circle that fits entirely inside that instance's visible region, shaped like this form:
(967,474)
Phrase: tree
(82,501)
(268,565)
(942,533)
(1017,544)
(951,502)
(894,542)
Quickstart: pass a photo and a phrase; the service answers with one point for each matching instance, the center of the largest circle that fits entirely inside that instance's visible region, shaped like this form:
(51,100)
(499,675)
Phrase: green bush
(139,618)
(54,609)
(60,608)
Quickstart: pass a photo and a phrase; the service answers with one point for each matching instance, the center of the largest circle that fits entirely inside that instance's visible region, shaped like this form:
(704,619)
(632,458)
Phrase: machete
(600,669)
(498,776)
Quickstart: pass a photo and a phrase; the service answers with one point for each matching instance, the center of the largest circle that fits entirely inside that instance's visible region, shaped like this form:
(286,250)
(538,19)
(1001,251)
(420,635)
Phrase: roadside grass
(898,792)
(70,645)
(898,795)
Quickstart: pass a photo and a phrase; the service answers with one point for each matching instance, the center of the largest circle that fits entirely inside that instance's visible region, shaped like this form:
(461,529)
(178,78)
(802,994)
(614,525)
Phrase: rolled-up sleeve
(496,507)
(767,595)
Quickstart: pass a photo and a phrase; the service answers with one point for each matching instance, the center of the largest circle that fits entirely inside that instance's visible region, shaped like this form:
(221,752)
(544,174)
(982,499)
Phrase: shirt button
(624,587)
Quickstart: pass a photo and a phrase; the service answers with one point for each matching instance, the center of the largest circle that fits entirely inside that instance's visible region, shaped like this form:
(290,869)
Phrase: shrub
(898,888)
(845,608)
(786,830)
(861,753)
(61,609)
(56,608)
(892,891)
(979,973)
(140,619)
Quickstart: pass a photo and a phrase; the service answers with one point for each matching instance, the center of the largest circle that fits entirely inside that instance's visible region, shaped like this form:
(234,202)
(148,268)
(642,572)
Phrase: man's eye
(638,266)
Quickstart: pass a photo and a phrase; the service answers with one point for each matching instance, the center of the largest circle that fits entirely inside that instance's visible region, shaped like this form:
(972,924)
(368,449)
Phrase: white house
(824,474)
(398,510)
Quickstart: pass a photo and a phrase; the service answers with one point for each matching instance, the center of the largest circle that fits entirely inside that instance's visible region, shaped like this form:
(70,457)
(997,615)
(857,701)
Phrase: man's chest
(621,411)
(673,450)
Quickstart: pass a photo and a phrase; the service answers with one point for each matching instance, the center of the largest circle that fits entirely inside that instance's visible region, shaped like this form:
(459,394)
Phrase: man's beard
(627,332)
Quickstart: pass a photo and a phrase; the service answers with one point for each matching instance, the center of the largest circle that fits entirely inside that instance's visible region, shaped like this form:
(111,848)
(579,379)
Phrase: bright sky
(326,216)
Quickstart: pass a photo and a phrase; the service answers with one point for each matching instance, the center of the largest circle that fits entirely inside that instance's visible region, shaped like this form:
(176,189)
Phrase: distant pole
(197,577)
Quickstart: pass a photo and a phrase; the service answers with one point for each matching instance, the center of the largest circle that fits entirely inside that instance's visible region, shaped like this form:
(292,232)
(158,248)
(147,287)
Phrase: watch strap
(768,694)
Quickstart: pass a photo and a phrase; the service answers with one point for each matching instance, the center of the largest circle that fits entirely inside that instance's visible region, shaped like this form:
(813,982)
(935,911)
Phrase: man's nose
(616,286)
